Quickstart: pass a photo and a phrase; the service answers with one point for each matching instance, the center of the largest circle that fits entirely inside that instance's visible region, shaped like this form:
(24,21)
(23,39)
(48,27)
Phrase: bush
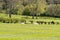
(9,20)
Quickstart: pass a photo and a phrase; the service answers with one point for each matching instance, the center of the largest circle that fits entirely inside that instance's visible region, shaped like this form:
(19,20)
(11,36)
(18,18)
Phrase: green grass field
(18,31)
(29,32)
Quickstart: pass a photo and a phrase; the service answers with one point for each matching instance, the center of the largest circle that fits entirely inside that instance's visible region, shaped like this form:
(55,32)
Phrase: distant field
(29,32)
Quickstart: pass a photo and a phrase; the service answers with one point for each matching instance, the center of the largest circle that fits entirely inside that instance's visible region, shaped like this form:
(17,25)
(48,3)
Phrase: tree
(53,10)
(0,5)
(6,4)
(9,6)
(38,7)
(53,1)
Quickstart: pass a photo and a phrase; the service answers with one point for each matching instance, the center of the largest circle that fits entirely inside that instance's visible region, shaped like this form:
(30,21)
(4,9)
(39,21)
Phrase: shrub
(9,20)
(2,19)
(14,20)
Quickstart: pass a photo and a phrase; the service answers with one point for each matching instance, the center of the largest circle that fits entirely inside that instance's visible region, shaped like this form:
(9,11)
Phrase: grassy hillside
(29,20)
(18,31)
(29,32)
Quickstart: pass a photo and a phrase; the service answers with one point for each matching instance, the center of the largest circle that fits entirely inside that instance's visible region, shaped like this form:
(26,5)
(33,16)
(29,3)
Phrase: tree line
(30,7)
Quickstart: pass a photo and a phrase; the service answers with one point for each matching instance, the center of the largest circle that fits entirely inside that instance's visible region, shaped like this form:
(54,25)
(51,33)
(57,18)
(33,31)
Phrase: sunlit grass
(29,32)
(18,31)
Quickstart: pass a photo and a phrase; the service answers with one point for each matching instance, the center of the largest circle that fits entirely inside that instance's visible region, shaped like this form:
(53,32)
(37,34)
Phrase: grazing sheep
(35,23)
(23,21)
(31,22)
(57,22)
(52,22)
(7,22)
(41,22)
(38,22)
(49,22)
(45,22)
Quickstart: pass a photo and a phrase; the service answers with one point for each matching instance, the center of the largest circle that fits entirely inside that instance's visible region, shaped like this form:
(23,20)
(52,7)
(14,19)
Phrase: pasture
(29,31)
(18,31)
(29,20)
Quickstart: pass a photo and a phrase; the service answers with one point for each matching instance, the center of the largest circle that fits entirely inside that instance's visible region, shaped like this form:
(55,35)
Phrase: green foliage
(30,7)
(26,11)
(53,10)
(20,12)
(14,11)
(9,20)
(18,6)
